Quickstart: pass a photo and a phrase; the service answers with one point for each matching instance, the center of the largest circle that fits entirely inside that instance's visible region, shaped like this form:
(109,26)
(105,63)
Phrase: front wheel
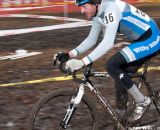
(48,113)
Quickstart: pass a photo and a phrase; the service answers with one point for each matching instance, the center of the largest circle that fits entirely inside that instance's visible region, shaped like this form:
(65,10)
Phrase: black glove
(61,57)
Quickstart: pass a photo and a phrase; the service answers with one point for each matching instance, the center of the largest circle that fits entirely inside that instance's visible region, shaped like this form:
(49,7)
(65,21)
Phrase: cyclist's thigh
(141,49)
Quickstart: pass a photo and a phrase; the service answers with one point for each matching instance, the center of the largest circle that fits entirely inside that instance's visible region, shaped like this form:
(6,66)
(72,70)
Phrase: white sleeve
(112,18)
(90,41)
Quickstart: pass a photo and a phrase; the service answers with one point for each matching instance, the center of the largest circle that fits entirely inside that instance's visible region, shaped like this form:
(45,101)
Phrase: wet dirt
(17,101)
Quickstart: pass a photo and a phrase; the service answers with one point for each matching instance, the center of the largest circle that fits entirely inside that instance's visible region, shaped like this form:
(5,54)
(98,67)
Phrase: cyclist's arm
(89,42)
(113,15)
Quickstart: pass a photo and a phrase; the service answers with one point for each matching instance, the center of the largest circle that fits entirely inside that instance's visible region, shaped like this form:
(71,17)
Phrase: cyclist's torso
(117,15)
(132,21)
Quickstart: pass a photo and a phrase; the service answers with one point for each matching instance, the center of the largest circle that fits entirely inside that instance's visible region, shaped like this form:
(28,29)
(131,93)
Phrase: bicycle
(66,108)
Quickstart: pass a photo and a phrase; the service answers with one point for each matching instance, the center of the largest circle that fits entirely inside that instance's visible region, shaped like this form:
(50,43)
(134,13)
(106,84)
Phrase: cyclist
(138,27)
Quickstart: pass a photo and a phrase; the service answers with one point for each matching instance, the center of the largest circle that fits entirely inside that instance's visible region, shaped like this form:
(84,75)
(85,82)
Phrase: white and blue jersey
(116,15)
(135,23)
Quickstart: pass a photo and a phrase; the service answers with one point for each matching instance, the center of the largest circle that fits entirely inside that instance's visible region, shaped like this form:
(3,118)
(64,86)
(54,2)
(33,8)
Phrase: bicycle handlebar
(60,65)
(62,68)
(86,73)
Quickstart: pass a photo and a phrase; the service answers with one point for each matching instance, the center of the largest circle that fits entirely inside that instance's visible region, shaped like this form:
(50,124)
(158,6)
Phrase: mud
(17,101)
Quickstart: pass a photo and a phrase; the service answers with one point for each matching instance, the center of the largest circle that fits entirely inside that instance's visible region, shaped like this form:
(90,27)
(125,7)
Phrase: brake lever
(68,72)
(55,60)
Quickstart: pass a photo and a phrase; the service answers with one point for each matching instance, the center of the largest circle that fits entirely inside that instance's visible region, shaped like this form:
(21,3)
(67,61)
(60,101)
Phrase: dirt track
(16,101)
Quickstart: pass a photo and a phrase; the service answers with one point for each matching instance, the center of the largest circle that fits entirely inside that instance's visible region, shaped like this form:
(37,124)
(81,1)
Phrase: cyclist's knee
(110,66)
(114,64)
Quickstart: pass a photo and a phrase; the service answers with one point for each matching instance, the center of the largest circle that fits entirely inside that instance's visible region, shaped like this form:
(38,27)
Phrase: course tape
(61,78)
(150,69)
(39,81)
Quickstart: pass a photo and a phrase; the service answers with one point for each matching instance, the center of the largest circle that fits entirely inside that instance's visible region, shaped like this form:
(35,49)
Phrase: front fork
(76,99)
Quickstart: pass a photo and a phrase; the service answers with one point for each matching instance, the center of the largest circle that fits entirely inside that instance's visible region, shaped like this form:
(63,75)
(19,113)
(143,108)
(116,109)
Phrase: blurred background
(38,29)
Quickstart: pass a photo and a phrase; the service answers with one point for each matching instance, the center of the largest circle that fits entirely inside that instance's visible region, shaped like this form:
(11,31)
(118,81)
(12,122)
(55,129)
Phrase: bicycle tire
(90,109)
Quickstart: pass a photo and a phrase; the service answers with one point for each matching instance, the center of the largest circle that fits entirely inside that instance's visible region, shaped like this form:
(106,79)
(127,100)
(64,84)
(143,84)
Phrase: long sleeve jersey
(115,15)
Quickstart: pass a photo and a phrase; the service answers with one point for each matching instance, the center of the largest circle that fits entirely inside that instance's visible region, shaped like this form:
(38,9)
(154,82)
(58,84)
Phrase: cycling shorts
(143,48)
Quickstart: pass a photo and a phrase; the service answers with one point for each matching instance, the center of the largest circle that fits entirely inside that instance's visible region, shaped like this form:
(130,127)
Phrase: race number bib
(109,18)
(139,13)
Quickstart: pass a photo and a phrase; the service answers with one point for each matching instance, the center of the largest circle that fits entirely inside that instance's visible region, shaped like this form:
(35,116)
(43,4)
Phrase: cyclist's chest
(135,19)
(130,15)
(131,21)
(134,23)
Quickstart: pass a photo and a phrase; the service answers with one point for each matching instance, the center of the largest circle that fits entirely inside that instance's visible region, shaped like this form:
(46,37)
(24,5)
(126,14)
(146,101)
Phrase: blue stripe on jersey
(89,59)
(125,14)
(144,48)
(132,26)
(154,27)
(77,51)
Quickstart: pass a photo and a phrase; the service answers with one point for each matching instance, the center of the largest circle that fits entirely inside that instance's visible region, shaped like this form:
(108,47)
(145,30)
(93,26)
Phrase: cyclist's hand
(61,57)
(74,64)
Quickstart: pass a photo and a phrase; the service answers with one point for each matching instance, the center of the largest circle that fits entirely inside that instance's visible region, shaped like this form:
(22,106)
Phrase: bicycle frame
(79,94)
(112,114)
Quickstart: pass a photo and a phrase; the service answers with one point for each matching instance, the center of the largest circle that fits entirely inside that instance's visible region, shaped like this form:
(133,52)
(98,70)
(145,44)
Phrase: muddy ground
(17,101)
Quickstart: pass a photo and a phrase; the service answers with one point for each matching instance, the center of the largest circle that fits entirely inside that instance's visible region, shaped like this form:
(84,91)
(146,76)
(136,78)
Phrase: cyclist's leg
(115,69)
(121,99)
(138,50)
(121,93)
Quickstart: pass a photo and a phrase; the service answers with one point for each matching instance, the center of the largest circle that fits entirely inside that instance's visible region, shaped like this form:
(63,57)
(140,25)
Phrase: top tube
(89,73)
